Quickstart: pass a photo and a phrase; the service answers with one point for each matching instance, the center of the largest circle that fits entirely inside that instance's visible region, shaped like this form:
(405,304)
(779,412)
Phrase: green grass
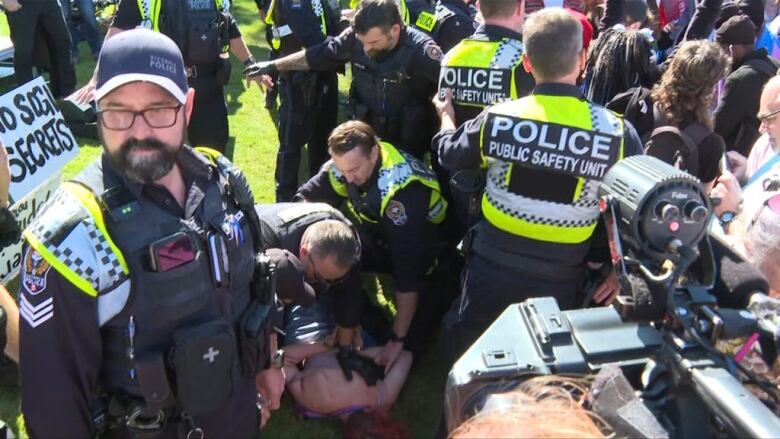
(255,143)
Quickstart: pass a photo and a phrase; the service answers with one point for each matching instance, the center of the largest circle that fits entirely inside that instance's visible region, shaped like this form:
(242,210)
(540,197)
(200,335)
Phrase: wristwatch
(249,61)
(726,218)
(396,338)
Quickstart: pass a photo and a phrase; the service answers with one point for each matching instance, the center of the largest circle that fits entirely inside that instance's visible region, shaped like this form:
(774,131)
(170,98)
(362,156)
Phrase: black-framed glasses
(768,116)
(157,117)
(319,278)
(773,203)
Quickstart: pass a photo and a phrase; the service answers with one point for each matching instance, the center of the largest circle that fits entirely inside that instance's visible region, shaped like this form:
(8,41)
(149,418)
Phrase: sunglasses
(321,279)
(773,203)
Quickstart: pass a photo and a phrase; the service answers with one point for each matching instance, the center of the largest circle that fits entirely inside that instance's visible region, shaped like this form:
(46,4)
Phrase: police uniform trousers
(209,121)
(488,288)
(307,115)
(39,27)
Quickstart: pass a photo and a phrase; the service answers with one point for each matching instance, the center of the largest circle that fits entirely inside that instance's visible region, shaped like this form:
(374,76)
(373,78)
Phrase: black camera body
(660,332)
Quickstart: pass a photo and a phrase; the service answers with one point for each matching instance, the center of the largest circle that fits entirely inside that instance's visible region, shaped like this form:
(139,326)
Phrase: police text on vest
(544,145)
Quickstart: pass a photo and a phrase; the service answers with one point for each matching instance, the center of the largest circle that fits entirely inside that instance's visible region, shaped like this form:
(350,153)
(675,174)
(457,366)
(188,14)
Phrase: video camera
(661,331)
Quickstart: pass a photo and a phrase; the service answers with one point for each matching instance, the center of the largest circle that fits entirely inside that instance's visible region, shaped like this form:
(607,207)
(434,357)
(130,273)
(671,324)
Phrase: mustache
(133,143)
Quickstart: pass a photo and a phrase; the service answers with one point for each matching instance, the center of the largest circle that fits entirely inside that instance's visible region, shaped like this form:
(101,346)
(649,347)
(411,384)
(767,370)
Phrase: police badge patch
(35,271)
(396,212)
(433,51)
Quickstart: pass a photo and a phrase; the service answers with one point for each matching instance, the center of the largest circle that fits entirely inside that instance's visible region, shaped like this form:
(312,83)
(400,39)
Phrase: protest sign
(35,135)
(25,211)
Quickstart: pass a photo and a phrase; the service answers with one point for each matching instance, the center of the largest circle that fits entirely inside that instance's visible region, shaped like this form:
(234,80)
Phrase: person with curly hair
(682,99)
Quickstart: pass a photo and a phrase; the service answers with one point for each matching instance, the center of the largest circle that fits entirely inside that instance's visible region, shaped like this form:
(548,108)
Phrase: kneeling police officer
(399,211)
(145,303)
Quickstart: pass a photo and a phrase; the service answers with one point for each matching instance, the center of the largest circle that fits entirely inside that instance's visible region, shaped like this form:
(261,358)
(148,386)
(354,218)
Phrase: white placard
(35,135)
(25,211)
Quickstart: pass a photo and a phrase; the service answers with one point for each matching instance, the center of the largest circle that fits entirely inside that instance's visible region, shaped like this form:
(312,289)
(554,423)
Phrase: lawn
(255,143)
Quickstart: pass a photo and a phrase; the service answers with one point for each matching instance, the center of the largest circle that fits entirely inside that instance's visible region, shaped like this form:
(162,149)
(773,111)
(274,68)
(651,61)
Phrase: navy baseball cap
(141,55)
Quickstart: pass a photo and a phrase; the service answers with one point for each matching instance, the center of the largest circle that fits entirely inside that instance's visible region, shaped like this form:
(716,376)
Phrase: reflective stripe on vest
(481,73)
(87,257)
(279,32)
(582,121)
(150,12)
(397,171)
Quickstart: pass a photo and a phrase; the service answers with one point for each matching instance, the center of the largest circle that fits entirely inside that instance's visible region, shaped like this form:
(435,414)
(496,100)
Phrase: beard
(147,167)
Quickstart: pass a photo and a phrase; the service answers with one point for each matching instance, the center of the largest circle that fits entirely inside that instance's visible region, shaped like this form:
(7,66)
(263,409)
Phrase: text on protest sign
(35,135)
(543,145)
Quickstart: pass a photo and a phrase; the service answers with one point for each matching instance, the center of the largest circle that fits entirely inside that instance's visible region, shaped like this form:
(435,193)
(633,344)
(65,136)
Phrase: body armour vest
(397,170)
(480,73)
(198,27)
(565,142)
(100,237)
(381,93)
(283,224)
(283,39)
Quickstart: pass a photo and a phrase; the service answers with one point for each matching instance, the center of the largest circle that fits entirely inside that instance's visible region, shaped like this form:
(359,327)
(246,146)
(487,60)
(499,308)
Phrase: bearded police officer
(309,99)
(144,303)
(448,22)
(399,210)
(394,73)
(545,155)
(482,70)
(204,30)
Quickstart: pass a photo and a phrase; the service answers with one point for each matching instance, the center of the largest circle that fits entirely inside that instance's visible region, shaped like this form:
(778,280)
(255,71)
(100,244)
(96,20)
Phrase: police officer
(448,22)
(140,296)
(327,246)
(481,70)
(204,30)
(309,99)
(545,155)
(271,94)
(394,73)
(399,210)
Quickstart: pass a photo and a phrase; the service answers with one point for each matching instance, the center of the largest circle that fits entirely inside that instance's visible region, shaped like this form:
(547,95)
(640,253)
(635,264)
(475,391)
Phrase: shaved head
(770,102)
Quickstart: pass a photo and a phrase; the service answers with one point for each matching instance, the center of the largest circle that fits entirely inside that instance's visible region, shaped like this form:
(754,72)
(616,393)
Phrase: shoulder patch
(433,51)
(36,270)
(396,211)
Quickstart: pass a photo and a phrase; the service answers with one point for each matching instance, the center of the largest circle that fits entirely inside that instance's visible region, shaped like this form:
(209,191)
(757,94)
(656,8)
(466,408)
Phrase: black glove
(350,361)
(261,68)
(343,357)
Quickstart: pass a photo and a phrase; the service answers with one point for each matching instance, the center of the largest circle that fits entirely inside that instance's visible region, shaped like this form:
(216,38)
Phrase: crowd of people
(157,299)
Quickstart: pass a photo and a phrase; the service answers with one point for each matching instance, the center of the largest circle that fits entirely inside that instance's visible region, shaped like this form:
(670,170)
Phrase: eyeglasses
(157,117)
(772,202)
(320,279)
(766,118)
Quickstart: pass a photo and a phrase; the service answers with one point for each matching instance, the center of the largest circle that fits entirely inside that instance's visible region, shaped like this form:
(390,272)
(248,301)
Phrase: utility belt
(312,85)
(197,374)
(518,262)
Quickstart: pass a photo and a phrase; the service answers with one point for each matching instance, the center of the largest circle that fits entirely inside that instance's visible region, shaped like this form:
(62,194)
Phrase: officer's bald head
(553,44)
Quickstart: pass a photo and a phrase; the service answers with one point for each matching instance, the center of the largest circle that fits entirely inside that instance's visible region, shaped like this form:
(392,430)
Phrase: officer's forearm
(239,49)
(296,61)
(406,304)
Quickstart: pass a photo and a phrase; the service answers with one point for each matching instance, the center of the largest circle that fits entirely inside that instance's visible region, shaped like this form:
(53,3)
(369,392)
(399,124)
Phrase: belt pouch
(252,339)
(204,357)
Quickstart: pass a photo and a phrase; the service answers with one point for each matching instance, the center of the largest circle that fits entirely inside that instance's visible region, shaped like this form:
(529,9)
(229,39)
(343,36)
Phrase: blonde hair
(540,407)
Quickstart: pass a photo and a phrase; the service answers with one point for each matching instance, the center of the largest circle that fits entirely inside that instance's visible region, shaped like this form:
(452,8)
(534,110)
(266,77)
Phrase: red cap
(587,28)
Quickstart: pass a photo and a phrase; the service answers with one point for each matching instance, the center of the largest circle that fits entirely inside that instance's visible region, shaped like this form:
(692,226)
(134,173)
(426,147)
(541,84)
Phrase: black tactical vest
(163,304)
(198,27)
(381,93)
(283,224)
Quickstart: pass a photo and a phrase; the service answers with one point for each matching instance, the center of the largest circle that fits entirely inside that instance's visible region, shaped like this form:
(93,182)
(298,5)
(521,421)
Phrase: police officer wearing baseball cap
(142,302)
